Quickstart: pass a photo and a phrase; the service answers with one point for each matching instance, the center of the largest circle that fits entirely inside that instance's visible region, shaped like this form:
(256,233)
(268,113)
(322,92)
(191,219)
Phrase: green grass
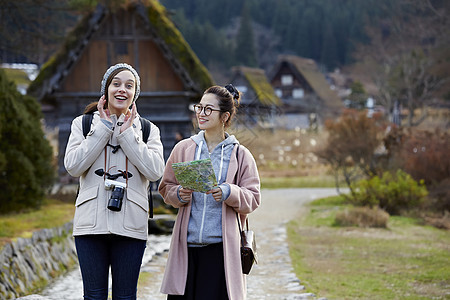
(53,213)
(329,201)
(18,76)
(405,261)
(297,182)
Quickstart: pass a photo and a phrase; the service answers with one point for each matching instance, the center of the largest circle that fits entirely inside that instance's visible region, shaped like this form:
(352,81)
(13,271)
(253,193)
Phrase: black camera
(117,193)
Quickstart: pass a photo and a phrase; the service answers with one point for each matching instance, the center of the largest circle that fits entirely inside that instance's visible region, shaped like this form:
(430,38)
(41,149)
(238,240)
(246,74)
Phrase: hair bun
(233,91)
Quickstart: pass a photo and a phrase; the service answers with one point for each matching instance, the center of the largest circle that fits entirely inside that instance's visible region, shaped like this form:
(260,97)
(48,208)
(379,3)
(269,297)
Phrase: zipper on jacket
(200,237)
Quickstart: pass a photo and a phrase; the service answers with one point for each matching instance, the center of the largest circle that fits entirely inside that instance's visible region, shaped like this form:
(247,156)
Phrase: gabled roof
(308,69)
(192,72)
(157,17)
(258,82)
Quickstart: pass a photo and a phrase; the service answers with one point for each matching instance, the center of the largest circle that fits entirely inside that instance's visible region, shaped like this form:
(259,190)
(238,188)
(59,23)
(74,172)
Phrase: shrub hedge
(392,192)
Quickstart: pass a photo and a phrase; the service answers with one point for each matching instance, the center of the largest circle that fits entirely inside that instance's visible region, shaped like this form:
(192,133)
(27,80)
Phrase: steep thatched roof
(155,17)
(258,82)
(172,37)
(49,77)
(308,69)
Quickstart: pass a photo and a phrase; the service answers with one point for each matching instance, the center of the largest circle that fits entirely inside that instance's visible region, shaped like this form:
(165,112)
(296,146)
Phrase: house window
(121,48)
(241,88)
(298,93)
(287,79)
(279,93)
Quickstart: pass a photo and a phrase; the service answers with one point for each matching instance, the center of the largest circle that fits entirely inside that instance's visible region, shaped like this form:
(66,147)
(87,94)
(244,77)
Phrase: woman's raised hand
(104,113)
(129,118)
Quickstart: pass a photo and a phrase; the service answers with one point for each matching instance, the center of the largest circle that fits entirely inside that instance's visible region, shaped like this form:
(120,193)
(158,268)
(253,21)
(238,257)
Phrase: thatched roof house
(172,77)
(303,88)
(259,104)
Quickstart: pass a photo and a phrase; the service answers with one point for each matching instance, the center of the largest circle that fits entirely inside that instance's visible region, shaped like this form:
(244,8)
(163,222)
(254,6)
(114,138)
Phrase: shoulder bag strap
(237,214)
(240,230)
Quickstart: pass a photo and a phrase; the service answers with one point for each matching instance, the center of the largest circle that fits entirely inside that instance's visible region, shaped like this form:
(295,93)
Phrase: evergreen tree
(26,169)
(358,96)
(31,30)
(245,52)
(302,27)
(330,47)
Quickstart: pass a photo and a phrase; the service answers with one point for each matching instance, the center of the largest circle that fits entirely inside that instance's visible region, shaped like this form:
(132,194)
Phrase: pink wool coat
(244,198)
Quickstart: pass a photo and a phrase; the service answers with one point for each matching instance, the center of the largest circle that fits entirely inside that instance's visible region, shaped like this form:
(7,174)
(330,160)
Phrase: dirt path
(273,278)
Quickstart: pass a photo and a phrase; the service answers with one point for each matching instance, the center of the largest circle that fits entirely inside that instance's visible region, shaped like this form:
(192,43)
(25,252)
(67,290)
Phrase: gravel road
(272,278)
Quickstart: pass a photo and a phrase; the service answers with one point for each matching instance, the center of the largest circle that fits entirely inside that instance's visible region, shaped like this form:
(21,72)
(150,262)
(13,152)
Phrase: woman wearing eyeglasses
(204,257)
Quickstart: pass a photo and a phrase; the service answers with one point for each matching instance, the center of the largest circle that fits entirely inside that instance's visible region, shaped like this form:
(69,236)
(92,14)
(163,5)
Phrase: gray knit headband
(119,66)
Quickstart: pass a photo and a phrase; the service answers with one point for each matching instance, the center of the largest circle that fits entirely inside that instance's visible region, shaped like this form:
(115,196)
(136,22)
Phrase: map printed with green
(197,175)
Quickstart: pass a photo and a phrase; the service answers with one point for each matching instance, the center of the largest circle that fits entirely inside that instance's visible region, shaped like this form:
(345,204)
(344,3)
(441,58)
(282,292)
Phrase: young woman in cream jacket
(115,167)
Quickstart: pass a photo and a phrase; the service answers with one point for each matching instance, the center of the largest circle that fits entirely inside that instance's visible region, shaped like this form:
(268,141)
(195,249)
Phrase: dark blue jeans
(96,253)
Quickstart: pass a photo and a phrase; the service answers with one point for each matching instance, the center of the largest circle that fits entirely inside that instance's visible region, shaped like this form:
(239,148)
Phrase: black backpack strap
(87,120)
(145,125)
(150,201)
(86,124)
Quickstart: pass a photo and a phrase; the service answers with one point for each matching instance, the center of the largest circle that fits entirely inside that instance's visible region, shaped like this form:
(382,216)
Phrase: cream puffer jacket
(143,161)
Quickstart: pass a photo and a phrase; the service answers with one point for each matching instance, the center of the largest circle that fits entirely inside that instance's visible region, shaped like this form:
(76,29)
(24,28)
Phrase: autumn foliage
(388,167)
(352,144)
(424,155)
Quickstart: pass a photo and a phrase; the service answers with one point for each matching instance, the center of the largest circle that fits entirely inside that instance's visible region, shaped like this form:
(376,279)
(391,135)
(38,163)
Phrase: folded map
(197,175)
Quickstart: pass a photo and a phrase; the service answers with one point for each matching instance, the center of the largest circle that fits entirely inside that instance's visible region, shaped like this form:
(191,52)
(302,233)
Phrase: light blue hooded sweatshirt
(205,222)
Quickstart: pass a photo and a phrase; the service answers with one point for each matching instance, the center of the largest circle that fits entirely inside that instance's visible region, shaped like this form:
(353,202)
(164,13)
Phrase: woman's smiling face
(213,120)
(121,92)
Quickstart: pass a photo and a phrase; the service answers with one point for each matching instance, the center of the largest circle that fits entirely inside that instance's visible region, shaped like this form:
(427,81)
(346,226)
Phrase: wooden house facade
(172,77)
(259,106)
(303,90)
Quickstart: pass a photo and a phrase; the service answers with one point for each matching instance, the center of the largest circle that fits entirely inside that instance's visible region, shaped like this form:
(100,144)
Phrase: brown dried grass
(362,217)
(285,153)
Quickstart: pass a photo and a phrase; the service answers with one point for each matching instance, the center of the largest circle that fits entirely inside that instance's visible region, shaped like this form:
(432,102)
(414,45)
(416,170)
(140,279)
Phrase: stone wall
(30,264)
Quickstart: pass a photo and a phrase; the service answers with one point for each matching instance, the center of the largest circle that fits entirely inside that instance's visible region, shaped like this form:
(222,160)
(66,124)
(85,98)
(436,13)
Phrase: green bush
(26,169)
(392,192)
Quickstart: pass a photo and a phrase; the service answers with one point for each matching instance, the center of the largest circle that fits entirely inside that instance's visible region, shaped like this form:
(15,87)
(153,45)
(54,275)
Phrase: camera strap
(126,170)
(104,175)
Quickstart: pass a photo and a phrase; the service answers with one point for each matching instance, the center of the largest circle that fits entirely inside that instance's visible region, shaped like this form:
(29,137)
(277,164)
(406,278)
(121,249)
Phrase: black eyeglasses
(206,109)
